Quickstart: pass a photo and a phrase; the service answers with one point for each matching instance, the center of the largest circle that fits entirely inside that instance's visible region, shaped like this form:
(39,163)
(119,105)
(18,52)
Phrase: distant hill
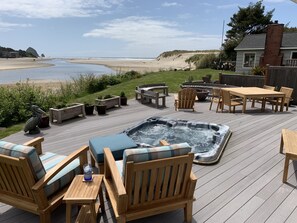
(180,52)
(6,52)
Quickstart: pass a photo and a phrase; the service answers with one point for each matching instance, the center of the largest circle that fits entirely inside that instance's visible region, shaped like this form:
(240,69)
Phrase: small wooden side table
(85,194)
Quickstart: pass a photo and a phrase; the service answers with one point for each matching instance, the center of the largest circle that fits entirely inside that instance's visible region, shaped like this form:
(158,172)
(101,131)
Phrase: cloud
(56,8)
(227,6)
(170,4)
(6,26)
(143,33)
(275,1)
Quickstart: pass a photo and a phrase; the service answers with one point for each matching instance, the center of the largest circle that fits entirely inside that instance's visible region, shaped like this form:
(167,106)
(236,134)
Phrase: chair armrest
(111,171)
(191,186)
(164,143)
(114,184)
(36,142)
(81,153)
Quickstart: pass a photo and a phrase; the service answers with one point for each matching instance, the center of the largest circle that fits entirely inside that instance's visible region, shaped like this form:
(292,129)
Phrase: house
(274,47)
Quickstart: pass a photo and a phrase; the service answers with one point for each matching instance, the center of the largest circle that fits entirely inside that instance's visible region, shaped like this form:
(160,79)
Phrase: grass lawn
(172,79)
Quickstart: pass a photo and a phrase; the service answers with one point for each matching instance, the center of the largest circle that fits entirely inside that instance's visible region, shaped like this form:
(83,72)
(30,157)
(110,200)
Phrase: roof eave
(244,49)
(289,48)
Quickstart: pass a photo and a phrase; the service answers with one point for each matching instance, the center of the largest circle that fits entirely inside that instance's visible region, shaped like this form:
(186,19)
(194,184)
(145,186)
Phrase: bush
(206,61)
(257,70)
(15,102)
(130,75)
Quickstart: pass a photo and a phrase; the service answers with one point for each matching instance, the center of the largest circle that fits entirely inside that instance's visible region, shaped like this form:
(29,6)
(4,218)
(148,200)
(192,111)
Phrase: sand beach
(142,65)
(21,63)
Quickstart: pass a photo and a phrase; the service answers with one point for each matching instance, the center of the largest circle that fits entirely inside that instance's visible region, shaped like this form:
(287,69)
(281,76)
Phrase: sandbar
(22,63)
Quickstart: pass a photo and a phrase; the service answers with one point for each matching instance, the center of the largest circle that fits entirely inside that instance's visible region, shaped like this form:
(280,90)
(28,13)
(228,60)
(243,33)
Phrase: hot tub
(207,140)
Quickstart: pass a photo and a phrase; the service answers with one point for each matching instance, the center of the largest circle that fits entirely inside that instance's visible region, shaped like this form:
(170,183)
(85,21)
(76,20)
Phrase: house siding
(240,57)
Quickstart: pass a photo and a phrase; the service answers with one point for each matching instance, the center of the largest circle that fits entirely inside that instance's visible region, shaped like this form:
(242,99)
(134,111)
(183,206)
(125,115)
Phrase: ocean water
(61,71)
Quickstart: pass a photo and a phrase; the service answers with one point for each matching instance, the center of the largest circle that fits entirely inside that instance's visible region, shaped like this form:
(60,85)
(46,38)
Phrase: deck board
(244,186)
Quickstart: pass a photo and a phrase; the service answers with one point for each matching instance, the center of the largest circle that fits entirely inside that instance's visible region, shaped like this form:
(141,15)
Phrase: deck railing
(291,63)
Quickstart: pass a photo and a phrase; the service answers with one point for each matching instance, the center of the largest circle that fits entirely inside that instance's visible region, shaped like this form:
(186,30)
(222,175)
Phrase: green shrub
(257,70)
(206,61)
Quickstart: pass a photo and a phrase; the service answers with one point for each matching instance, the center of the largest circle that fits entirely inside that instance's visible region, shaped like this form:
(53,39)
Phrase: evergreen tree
(249,20)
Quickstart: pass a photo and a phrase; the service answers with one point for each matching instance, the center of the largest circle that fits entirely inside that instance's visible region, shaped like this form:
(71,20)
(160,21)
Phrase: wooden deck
(244,186)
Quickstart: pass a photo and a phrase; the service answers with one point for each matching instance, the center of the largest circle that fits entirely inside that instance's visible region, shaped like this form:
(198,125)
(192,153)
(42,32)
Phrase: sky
(123,28)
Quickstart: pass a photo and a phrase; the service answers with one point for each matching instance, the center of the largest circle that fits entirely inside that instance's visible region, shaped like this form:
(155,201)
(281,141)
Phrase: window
(249,60)
(294,55)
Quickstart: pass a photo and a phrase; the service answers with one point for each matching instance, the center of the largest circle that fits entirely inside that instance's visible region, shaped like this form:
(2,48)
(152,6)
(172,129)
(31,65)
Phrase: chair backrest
(186,98)
(20,168)
(216,92)
(269,87)
(27,152)
(155,175)
(226,98)
(288,92)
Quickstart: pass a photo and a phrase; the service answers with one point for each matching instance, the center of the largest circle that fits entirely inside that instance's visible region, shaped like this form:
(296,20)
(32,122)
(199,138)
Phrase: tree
(290,29)
(249,20)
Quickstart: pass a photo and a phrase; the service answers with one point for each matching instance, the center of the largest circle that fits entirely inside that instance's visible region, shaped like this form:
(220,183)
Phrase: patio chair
(216,98)
(150,181)
(288,92)
(185,99)
(229,101)
(260,100)
(36,182)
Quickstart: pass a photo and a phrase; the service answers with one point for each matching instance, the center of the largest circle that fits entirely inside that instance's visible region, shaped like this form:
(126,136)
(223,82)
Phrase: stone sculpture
(32,124)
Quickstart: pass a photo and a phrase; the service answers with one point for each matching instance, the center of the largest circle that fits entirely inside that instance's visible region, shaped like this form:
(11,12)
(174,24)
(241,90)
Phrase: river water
(61,71)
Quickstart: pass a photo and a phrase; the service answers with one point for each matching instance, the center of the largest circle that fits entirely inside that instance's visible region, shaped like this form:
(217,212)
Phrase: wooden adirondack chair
(185,99)
(145,188)
(27,185)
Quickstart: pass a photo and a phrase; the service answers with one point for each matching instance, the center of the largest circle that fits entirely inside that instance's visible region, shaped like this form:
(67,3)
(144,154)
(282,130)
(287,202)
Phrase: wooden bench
(148,96)
(150,87)
(289,142)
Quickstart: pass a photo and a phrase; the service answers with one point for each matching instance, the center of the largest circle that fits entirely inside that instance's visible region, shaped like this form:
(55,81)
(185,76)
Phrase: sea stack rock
(32,51)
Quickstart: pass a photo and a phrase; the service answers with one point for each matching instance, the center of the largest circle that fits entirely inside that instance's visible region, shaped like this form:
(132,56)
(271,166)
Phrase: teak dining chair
(216,98)
(229,101)
(288,92)
(263,100)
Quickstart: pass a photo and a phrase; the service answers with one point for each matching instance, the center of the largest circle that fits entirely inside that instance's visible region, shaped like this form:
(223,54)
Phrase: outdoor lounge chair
(33,181)
(185,99)
(229,101)
(150,181)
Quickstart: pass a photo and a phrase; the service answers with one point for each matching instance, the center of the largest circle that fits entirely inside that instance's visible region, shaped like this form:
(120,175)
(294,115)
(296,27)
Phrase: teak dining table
(256,93)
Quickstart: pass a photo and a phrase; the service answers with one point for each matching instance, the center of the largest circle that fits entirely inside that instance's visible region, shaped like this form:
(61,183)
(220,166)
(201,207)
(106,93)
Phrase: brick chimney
(272,55)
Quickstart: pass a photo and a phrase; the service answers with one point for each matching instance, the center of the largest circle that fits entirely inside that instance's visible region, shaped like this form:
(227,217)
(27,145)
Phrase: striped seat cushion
(161,152)
(29,152)
(64,177)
